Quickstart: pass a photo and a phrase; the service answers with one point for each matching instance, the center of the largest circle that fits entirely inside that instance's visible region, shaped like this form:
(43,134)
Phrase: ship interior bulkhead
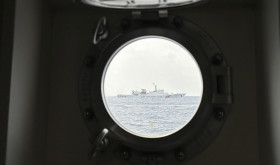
(58,71)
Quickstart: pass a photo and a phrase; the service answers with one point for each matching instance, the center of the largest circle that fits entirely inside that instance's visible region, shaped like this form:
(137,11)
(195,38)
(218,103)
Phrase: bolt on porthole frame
(216,98)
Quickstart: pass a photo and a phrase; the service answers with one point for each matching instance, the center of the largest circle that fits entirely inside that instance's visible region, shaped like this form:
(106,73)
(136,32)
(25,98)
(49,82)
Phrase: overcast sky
(153,60)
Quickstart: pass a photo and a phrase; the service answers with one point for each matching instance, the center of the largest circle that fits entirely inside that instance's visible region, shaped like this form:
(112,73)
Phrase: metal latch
(101,31)
(101,143)
(222,85)
(150,15)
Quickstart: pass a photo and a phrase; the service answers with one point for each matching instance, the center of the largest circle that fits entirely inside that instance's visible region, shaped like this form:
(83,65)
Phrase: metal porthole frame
(216,98)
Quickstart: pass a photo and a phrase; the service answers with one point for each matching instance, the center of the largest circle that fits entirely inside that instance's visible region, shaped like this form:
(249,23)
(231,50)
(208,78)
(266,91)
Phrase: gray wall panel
(268,81)
(26,123)
(234,31)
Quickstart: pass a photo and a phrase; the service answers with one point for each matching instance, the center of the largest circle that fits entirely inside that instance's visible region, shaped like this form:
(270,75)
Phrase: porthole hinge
(150,15)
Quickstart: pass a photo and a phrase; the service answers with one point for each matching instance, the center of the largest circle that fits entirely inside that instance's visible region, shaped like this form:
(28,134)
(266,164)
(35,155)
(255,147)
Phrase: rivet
(125,154)
(219,113)
(178,22)
(217,59)
(88,114)
(180,156)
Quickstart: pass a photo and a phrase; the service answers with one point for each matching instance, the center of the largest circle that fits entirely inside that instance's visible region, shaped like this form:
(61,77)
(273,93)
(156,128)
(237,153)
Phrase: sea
(152,117)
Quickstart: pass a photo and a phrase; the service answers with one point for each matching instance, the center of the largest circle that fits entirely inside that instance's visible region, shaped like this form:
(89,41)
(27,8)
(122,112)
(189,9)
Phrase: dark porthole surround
(209,118)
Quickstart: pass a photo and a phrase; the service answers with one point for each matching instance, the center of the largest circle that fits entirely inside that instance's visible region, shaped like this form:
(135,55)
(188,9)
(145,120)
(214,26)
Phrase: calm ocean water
(152,117)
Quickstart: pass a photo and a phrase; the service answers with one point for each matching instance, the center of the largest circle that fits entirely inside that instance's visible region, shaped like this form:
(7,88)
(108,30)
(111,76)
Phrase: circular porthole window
(152,86)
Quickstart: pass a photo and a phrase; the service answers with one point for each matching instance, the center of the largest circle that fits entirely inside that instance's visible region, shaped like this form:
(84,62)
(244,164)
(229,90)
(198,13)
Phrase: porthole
(140,106)
(154,87)
(139,4)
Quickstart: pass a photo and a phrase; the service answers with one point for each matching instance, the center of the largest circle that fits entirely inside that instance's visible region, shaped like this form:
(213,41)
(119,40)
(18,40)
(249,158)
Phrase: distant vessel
(158,93)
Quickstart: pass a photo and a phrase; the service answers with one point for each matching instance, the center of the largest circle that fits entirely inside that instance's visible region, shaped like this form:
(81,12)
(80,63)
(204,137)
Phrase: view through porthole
(152,86)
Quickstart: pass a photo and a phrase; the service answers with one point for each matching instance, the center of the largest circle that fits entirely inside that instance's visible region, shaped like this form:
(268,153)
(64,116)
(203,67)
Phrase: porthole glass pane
(152,87)
(139,4)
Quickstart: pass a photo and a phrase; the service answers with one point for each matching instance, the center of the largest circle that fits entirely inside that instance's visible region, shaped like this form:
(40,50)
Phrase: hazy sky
(153,60)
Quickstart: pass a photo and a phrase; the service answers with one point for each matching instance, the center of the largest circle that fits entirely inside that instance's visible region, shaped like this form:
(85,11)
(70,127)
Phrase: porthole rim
(138,142)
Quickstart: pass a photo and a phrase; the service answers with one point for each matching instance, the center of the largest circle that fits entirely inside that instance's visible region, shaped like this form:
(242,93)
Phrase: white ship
(158,93)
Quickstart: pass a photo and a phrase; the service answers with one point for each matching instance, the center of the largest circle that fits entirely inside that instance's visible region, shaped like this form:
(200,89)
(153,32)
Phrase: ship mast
(155,87)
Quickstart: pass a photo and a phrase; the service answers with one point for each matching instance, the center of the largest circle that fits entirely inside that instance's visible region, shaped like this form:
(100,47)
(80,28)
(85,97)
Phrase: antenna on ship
(155,86)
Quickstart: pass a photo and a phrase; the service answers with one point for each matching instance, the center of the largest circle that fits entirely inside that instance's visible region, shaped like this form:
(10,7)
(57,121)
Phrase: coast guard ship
(158,93)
